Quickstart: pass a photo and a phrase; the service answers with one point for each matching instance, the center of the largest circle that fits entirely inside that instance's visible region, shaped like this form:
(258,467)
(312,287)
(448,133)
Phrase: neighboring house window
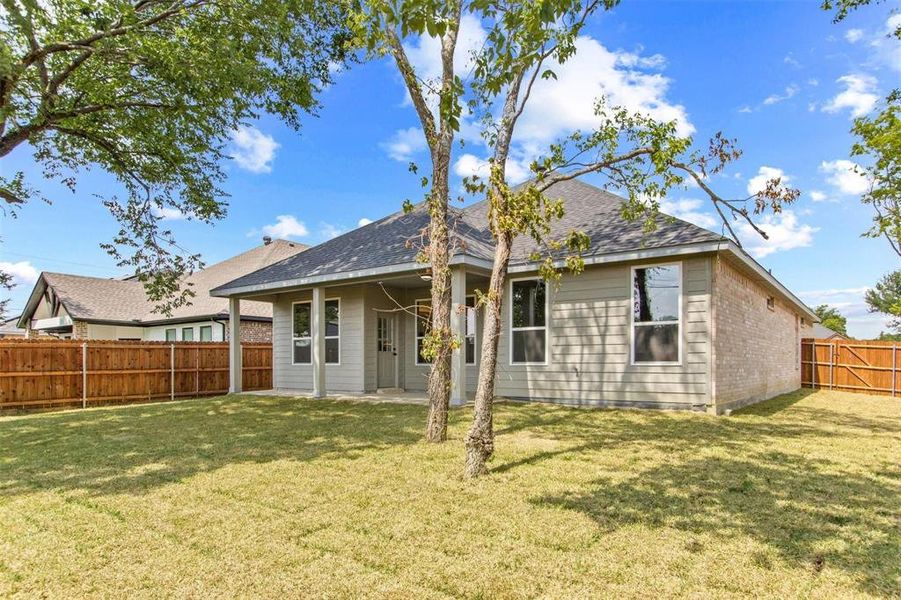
(423,326)
(656,314)
(170,335)
(771,302)
(528,321)
(302,332)
(187,334)
(332,332)
(470,339)
(206,333)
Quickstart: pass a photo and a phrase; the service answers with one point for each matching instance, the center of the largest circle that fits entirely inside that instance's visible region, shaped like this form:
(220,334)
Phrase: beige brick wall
(79,330)
(756,348)
(255,332)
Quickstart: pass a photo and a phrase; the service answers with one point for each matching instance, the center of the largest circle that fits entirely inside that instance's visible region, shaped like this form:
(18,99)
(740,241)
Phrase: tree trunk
(439,375)
(480,439)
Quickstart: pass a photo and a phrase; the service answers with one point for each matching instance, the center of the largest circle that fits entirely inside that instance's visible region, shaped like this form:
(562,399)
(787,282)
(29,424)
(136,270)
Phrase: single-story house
(678,318)
(9,329)
(94,308)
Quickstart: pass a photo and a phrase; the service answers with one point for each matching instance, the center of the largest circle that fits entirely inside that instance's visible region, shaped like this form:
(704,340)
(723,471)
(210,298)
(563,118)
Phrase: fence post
(813,364)
(894,376)
(832,365)
(172,371)
(197,371)
(84,374)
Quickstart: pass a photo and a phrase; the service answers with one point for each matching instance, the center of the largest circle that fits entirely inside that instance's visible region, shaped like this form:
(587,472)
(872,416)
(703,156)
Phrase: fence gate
(851,365)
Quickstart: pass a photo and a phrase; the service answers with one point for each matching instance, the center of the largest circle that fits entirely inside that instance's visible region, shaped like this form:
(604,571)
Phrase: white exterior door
(387,351)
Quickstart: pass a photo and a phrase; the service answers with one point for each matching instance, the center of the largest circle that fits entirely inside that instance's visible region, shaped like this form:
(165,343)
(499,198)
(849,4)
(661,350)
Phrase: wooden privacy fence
(57,373)
(853,365)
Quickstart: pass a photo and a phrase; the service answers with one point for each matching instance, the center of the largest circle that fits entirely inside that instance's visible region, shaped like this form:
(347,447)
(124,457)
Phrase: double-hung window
(187,334)
(470,337)
(206,333)
(171,335)
(656,314)
(423,317)
(528,321)
(302,336)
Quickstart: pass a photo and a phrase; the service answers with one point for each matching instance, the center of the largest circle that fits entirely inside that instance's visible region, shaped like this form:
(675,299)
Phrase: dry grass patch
(246,496)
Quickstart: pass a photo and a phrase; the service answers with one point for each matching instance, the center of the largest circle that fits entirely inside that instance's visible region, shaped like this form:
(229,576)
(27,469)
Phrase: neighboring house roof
(9,328)
(821,332)
(95,299)
(393,240)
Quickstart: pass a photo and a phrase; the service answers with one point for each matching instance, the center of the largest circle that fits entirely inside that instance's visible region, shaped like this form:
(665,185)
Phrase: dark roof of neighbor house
(124,300)
(394,240)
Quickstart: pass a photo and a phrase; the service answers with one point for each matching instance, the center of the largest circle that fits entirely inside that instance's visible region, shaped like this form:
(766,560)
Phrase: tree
(885,298)
(382,26)
(638,155)
(879,139)
(150,91)
(831,318)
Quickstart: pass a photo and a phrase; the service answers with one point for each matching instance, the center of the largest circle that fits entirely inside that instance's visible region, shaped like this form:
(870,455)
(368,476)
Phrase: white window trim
(310,337)
(633,324)
(546,328)
(475,332)
(416,336)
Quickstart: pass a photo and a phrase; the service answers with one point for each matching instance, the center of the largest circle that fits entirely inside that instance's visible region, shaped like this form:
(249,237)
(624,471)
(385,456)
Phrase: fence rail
(870,367)
(59,373)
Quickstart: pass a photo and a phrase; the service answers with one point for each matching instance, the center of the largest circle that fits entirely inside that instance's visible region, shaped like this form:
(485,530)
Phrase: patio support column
(318,347)
(235,363)
(458,329)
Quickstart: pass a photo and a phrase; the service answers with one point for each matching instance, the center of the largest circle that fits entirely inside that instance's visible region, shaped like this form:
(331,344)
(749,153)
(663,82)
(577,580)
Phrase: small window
(332,332)
(470,338)
(300,335)
(656,301)
(528,327)
(187,334)
(170,335)
(206,333)
(771,302)
(423,317)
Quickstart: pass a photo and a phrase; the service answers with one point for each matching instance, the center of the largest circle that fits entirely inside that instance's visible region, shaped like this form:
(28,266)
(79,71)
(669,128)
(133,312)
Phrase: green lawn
(799,496)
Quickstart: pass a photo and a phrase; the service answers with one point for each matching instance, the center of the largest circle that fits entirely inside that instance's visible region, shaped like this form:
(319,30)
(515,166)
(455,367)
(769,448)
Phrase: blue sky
(779,76)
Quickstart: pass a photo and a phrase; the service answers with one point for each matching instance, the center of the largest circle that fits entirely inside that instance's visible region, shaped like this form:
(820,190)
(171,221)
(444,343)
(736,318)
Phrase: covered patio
(358,335)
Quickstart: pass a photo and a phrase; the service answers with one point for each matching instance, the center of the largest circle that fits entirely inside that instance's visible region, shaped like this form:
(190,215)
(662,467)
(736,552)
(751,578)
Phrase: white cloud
(561,106)
(286,226)
(826,294)
(364,221)
(854,35)
(758,183)
(405,143)
(858,95)
(328,231)
(817,196)
(850,302)
(745,109)
(784,231)
(688,209)
(169,213)
(886,47)
(844,176)
(634,59)
(253,150)
(469,165)
(789,93)
(791,61)
(22,272)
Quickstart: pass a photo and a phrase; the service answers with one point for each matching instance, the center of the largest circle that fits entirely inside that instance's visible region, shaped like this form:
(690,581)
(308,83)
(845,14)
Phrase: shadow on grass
(132,449)
(808,516)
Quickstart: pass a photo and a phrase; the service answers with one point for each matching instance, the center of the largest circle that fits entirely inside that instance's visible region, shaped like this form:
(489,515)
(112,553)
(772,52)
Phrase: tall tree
(830,317)
(383,26)
(150,91)
(879,142)
(885,298)
(638,155)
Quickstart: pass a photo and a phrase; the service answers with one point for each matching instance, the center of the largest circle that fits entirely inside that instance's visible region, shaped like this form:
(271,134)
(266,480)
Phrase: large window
(171,335)
(206,333)
(301,336)
(656,308)
(528,326)
(423,327)
(187,334)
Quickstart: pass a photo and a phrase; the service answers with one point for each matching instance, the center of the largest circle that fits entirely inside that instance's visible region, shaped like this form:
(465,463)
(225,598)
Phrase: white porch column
(458,329)
(318,342)
(235,363)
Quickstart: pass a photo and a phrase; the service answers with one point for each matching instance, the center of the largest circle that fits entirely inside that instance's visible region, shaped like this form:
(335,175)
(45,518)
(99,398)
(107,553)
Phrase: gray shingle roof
(124,300)
(385,242)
